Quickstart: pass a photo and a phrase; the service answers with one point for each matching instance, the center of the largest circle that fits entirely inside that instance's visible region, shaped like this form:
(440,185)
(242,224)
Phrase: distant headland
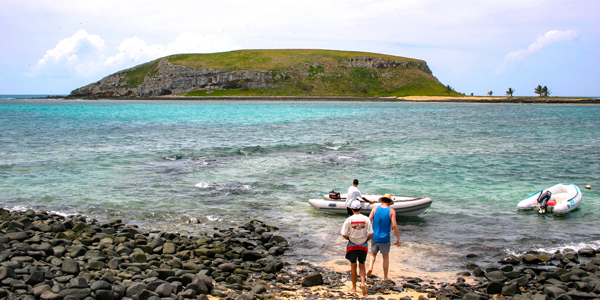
(291,74)
(272,73)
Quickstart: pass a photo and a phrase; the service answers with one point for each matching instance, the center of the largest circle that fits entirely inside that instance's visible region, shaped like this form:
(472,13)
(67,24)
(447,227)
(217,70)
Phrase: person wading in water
(384,219)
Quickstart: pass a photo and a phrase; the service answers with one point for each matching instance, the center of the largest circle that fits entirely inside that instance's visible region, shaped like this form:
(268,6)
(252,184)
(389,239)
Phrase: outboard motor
(334,195)
(543,200)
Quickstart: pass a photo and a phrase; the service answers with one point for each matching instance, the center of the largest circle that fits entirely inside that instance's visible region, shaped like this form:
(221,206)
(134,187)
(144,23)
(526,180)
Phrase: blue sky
(475,46)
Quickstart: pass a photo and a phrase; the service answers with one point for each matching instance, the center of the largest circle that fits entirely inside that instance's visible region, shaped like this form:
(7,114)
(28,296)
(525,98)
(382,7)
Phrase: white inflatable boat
(405,206)
(563,199)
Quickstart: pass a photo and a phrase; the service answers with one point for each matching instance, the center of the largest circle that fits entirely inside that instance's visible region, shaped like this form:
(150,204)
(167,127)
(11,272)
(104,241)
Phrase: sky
(475,46)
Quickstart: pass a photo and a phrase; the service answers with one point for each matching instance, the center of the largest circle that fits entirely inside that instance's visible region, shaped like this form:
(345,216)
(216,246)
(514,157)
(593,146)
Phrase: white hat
(355,204)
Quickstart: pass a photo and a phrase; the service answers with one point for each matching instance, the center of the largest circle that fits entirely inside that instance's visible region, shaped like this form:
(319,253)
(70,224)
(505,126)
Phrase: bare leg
(386,265)
(354,276)
(371,263)
(363,284)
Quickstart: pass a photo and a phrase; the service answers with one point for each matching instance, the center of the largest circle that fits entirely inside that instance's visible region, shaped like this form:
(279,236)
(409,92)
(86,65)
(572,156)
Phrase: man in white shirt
(357,229)
(354,194)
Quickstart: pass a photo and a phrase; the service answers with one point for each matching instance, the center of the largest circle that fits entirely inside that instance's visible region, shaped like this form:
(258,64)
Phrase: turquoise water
(190,166)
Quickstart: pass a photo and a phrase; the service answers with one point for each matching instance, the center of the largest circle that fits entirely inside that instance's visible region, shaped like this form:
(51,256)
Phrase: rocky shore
(52,257)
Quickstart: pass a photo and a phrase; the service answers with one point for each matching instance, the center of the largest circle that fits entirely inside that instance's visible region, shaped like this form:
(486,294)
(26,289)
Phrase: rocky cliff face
(164,78)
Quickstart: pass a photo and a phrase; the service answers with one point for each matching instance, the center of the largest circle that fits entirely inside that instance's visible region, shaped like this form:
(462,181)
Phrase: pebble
(51,257)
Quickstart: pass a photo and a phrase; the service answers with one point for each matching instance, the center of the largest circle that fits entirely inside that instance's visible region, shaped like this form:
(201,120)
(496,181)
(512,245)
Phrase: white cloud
(85,54)
(135,49)
(78,53)
(542,41)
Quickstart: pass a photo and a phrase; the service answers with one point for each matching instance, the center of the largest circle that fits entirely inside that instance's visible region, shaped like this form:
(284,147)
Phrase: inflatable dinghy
(405,206)
(559,199)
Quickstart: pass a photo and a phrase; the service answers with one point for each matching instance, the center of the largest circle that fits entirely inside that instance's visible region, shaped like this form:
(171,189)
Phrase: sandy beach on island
(457,99)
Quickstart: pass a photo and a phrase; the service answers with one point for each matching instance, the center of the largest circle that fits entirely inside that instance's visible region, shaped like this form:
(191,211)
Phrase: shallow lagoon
(189,165)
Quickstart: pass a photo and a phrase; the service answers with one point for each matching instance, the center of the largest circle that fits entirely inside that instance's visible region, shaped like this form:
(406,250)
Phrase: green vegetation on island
(290,72)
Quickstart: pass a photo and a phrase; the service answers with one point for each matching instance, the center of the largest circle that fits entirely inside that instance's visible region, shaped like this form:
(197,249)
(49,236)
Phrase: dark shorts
(356,252)
(350,212)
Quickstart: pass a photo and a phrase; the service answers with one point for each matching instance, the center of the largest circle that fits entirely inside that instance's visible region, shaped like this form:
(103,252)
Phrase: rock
(7,273)
(146,295)
(495,276)
(575,294)
(251,255)
(15,226)
(137,257)
(77,251)
(164,274)
(312,279)
(70,266)
(135,289)
(471,296)
(100,285)
(94,255)
(259,288)
(510,290)
(494,287)
(80,293)
(35,278)
(119,291)
(48,295)
(96,265)
(164,290)
(586,252)
(510,259)
(227,267)
(199,286)
(531,259)
(277,239)
(113,263)
(188,294)
(105,295)
(16,236)
(78,282)
(478,272)
(40,289)
(157,242)
(169,248)
(276,250)
(553,291)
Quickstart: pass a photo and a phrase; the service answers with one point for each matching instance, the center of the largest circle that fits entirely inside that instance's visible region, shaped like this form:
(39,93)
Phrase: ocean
(191,166)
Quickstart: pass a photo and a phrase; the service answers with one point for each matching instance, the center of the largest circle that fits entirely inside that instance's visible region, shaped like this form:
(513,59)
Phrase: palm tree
(546,91)
(449,89)
(490,93)
(539,90)
(510,92)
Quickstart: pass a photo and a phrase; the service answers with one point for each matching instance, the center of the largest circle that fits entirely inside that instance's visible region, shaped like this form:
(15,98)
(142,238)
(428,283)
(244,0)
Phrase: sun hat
(355,204)
(387,196)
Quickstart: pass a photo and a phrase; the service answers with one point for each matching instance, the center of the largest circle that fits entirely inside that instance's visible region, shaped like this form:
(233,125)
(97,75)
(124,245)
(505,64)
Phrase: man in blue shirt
(383,218)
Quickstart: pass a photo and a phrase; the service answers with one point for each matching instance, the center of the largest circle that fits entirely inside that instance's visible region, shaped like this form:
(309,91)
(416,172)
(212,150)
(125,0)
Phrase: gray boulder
(70,266)
(313,279)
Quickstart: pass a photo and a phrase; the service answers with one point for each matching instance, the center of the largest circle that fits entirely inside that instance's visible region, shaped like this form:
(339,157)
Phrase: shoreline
(52,257)
(463,99)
